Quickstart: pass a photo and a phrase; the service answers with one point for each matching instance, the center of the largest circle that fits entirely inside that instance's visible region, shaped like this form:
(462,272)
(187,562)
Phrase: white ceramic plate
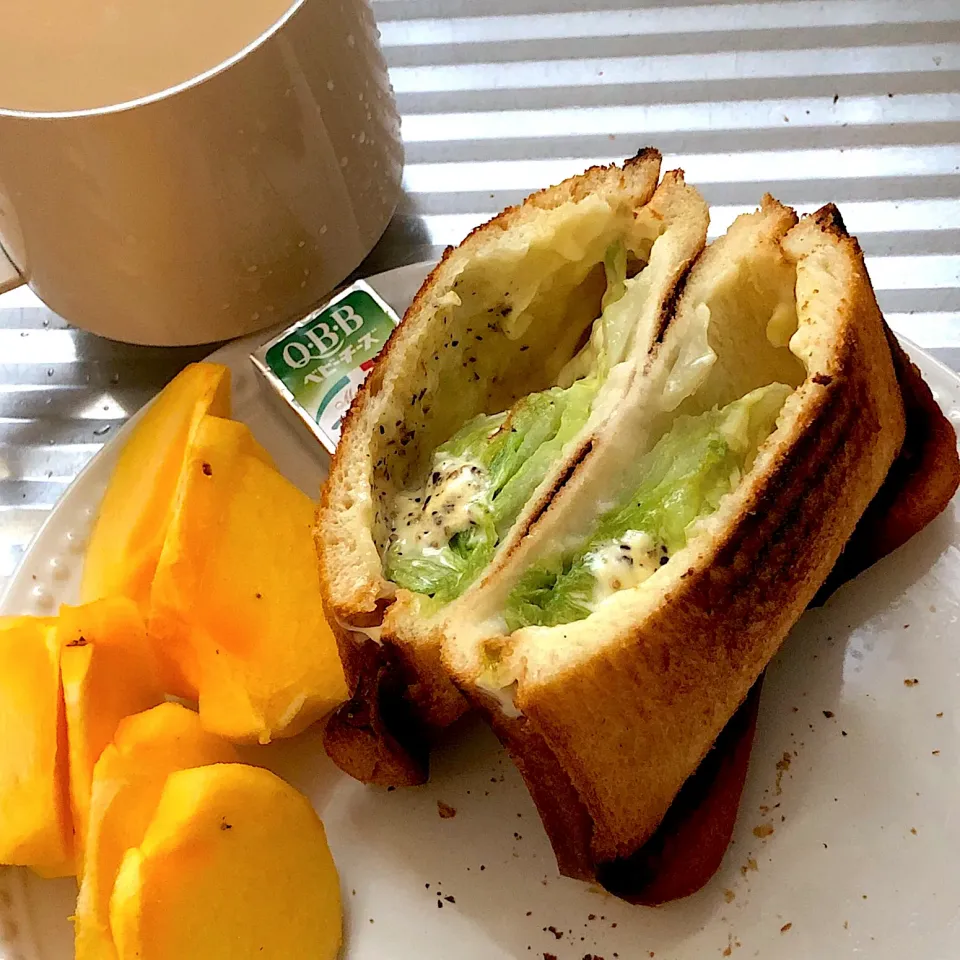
(857,772)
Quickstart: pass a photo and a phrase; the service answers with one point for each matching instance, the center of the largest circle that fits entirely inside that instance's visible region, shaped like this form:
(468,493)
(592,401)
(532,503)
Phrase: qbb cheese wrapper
(317,365)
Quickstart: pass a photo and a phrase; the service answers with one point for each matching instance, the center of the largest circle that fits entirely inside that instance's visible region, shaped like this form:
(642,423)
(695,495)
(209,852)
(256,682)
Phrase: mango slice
(132,522)
(127,783)
(35,826)
(236,597)
(234,866)
(108,673)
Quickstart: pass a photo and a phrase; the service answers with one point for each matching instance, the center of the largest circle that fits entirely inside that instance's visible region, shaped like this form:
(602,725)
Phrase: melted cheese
(693,364)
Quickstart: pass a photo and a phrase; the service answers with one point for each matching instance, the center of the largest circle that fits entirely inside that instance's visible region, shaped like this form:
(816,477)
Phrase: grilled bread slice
(608,714)
(513,311)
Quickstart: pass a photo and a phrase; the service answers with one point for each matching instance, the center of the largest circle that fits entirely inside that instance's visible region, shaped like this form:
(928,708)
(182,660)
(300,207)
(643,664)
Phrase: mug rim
(167,92)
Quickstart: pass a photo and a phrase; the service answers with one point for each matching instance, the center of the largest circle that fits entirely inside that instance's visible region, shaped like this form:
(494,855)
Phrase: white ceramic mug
(234,199)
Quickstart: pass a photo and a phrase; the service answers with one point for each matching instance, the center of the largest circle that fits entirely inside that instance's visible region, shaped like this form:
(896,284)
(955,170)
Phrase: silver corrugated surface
(855,101)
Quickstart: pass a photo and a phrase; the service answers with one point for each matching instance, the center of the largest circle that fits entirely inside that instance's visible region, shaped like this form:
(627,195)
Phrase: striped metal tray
(854,101)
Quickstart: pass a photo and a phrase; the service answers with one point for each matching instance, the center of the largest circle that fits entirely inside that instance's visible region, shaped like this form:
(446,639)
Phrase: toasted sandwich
(595,478)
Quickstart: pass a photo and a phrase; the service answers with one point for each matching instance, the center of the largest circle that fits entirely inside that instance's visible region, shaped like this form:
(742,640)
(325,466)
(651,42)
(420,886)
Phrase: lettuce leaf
(520,473)
(515,451)
(698,461)
(469,442)
(445,573)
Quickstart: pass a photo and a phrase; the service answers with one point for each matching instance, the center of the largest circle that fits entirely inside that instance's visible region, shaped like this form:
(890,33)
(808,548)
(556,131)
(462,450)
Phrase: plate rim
(19,911)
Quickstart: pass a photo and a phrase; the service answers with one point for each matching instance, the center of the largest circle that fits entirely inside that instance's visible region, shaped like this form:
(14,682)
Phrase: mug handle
(10,276)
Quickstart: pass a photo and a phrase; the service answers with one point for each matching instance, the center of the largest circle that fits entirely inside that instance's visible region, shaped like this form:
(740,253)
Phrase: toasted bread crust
(920,484)
(374,736)
(690,841)
(689,844)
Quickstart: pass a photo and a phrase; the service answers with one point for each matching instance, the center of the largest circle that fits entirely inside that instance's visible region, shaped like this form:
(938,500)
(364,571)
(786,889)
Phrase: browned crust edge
(922,481)
(375,737)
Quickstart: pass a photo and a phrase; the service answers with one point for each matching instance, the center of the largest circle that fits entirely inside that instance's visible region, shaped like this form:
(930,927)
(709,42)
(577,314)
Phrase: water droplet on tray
(43,599)
(75,543)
